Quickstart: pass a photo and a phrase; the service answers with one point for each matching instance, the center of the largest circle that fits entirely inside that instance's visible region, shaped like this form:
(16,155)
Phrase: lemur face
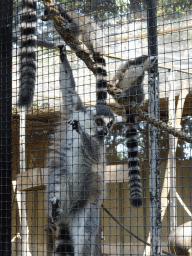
(103,118)
(103,125)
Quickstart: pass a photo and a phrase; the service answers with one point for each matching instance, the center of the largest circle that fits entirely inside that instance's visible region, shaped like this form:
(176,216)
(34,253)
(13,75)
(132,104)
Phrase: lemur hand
(75,125)
(56,210)
(62,49)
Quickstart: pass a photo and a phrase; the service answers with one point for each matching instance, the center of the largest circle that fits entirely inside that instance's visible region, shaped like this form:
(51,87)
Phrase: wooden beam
(32,179)
(116,173)
(37,178)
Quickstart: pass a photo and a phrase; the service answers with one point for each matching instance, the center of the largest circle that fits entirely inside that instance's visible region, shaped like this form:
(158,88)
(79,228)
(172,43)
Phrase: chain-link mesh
(80,187)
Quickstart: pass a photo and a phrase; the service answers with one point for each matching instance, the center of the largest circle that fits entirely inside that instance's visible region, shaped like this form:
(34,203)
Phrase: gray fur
(129,78)
(180,240)
(76,180)
(85,29)
(90,35)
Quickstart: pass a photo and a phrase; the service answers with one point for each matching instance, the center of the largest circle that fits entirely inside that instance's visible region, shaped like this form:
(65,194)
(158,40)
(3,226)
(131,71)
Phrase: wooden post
(121,219)
(172,153)
(50,229)
(166,183)
(154,134)
(22,203)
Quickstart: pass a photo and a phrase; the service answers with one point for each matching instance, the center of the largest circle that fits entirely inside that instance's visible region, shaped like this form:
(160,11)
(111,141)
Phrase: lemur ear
(92,111)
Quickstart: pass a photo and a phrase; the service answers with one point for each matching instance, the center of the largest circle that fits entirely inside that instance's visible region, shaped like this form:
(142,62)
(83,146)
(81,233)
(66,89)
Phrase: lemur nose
(105,131)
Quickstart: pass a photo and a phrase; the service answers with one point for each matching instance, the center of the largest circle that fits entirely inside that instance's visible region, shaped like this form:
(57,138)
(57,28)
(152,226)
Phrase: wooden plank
(32,179)
(116,173)
(37,178)
(22,204)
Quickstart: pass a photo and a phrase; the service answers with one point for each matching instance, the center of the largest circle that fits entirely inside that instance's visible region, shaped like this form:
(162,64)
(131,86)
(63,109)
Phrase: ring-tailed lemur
(76,180)
(28,52)
(180,240)
(129,78)
(90,34)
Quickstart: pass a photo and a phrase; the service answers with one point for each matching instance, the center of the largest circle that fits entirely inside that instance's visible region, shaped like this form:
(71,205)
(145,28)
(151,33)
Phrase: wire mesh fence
(95,127)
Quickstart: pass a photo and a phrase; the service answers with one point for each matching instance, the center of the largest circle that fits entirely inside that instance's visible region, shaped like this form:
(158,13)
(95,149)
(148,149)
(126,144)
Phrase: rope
(131,233)
(160,124)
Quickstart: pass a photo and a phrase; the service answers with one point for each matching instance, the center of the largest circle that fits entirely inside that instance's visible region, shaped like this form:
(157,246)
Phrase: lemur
(90,34)
(28,41)
(129,78)
(180,239)
(86,30)
(76,174)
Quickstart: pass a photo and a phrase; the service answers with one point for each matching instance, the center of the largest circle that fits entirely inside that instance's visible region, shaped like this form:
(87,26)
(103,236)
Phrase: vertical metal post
(154,134)
(6,7)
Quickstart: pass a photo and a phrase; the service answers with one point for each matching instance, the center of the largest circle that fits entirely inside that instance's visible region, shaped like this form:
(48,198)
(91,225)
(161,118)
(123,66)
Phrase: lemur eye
(99,121)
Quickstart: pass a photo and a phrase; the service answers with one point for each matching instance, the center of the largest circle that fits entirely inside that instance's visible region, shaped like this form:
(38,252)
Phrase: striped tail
(64,244)
(135,186)
(85,28)
(28,41)
(101,80)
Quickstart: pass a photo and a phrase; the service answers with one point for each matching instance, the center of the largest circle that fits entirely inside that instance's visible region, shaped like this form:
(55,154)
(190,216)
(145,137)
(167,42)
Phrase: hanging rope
(131,233)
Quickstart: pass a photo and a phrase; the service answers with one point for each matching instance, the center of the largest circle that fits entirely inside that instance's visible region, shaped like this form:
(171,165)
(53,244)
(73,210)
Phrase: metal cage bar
(6,15)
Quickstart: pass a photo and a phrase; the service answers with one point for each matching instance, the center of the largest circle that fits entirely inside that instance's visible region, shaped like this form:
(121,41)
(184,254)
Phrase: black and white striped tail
(28,41)
(101,73)
(63,243)
(101,80)
(135,187)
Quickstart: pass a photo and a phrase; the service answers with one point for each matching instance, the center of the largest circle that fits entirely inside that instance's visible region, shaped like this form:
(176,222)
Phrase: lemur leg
(56,188)
(85,230)
(56,210)
(89,142)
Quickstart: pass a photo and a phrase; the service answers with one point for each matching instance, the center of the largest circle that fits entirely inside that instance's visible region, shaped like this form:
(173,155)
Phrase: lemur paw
(56,210)
(62,49)
(75,125)
(151,60)
(54,200)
